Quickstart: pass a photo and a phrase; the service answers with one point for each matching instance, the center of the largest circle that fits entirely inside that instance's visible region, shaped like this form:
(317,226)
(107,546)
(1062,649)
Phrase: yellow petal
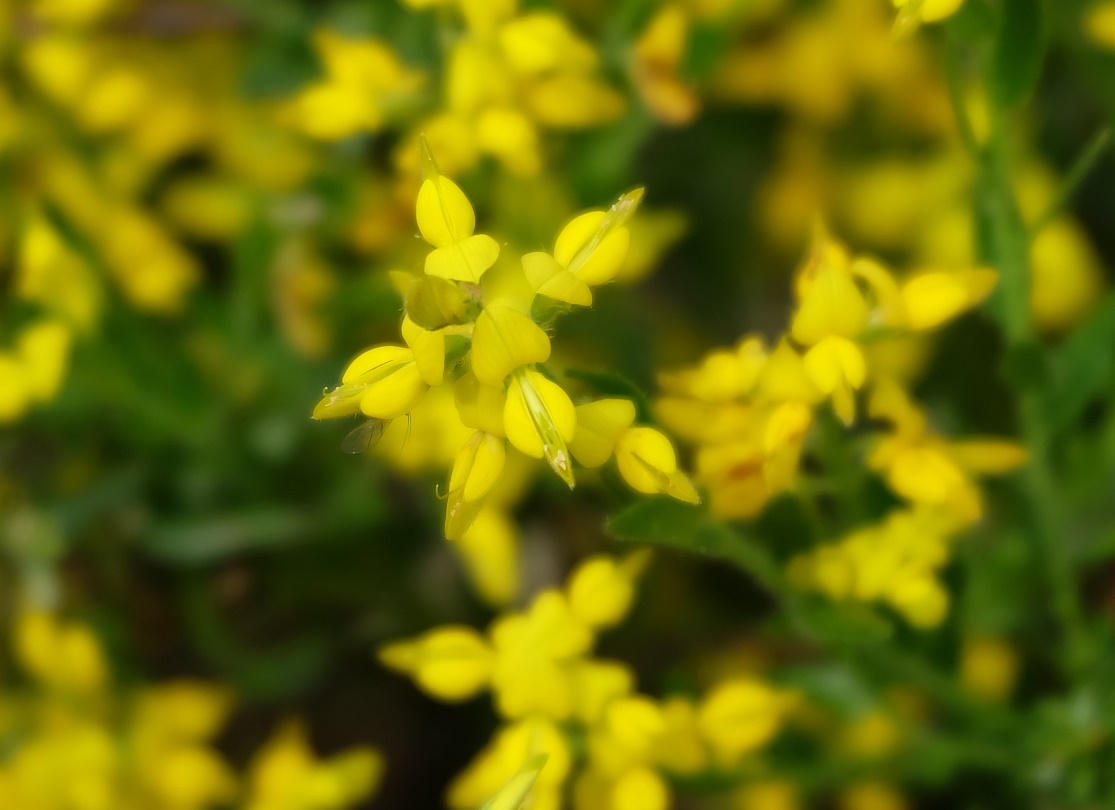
(599,426)
(394,395)
(601,592)
(835,361)
(785,378)
(489,549)
(925,475)
(832,305)
(541,42)
(647,462)
(549,278)
(466,260)
(540,420)
(44,349)
(445,215)
(641,789)
(478,466)
(594,245)
(503,340)
(739,716)
(452,663)
(788,424)
(428,349)
(479,406)
(931,298)
(376,362)
(988,456)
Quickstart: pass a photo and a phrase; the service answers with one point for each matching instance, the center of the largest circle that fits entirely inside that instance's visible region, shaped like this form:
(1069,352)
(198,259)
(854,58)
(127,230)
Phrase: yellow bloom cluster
(749,409)
(612,744)
(895,562)
(92,118)
(469,326)
(509,74)
(73,742)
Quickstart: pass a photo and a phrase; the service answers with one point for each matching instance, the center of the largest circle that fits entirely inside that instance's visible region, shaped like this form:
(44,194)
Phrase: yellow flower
(988,668)
(504,340)
(912,13)
(739,716)
(930,470)
(383,383)
(1099,24)
(647,462)
(871,796)
(67,656)
(447,221)
(931,297)
(599,427)
(475,472)
(641,789)
(286,775)
(513,763)
(540,420)
(365,82)
(451,663)
(588,252)
(489,549)
(601,591)
(655,62)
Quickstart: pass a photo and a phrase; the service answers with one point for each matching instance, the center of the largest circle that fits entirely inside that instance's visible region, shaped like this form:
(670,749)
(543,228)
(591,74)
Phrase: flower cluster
(79,742)
(749,409)
(612,746)
(469,325)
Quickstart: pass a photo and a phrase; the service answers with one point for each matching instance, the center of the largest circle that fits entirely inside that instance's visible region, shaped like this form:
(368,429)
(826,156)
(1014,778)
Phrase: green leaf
(1025,366)
(200,541)
(1019,51)
(1083,368)
(666,522)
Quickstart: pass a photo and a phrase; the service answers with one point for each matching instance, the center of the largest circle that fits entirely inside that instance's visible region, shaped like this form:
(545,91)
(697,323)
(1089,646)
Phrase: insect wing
(363,437)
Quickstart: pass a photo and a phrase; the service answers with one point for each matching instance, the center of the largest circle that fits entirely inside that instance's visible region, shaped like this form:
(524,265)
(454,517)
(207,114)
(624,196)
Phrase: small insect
(364,436)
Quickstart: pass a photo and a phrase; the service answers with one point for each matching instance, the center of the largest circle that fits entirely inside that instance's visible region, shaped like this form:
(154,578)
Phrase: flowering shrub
(716,404)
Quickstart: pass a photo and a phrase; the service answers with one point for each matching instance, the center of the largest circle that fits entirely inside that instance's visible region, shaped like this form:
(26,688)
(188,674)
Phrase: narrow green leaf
(1083,368)
(666,522)
(1019,51)
(201,541)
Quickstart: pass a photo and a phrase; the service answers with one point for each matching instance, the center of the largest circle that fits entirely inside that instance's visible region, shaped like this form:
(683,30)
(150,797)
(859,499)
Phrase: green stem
(1008,244)
(1080,169)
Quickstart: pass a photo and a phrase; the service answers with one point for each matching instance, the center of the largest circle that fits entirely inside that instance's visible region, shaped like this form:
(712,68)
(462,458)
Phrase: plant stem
(1008,245)
(1080,169)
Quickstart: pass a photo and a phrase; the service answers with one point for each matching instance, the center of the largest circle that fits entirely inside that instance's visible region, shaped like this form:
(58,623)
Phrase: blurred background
(204,207)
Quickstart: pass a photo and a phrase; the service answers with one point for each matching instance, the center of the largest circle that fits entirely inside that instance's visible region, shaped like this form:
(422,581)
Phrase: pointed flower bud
(594,245)
(383,383)
(540,420)
(647,462)
(475,472)
(447,221)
